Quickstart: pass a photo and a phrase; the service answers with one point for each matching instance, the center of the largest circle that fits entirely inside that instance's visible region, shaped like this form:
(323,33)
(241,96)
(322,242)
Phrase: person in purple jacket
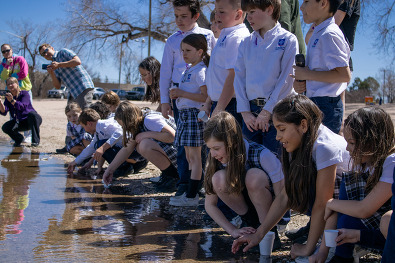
(24,116)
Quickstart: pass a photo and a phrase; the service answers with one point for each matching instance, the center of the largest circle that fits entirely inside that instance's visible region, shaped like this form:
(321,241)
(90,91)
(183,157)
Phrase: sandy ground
(53,132)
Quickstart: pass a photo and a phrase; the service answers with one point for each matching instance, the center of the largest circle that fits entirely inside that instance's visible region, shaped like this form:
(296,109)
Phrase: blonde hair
(132,119)
(223,127)
(13,79)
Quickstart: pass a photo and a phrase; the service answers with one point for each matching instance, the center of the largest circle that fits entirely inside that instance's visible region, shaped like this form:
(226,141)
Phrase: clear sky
(367,60)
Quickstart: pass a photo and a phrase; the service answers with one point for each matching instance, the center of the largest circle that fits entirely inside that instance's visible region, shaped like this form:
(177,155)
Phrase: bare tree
(388,84)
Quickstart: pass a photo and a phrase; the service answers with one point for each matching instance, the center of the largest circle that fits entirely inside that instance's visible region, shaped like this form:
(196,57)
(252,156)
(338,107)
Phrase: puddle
(46,216)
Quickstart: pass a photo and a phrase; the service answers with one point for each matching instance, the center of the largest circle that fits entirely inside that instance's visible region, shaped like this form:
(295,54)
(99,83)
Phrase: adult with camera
(66,67)
(24,116)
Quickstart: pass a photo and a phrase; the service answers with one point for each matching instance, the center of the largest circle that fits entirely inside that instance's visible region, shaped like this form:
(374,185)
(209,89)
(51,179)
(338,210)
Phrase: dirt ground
(53,132)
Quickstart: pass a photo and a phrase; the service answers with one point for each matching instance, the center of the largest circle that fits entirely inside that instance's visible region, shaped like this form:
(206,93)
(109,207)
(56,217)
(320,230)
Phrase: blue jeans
(332,108)
(371,238)
(267,139)
(389,248)
(231,108)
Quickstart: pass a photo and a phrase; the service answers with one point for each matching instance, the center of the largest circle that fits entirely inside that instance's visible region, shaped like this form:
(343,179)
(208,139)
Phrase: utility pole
(120,62)
(149,28)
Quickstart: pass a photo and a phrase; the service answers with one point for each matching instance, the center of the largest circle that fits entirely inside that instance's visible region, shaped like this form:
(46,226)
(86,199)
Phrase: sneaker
(62,150)
(185,201)
(139,166)
(297,233)
(123,171)
(167,186)
(302,239)
(181,189)
(16,144)
(28,139)
(154,179)
(34,144)
(282,225)
(172,198)
(337,259)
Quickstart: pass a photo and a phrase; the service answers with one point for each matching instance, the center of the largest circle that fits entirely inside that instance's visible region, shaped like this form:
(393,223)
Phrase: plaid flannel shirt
(76,78)
(79,136)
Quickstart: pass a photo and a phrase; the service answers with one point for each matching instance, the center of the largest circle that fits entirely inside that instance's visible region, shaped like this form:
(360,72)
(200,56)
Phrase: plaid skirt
(170,150)
(189,130)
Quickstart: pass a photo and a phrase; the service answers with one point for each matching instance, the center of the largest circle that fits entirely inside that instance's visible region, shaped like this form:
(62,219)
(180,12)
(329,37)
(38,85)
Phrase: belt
(259,102)
(175,84)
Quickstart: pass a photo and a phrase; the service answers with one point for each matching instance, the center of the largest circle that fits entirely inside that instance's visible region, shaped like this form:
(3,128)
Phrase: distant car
(137,93)
(121,93)
(61,93)
(98,93)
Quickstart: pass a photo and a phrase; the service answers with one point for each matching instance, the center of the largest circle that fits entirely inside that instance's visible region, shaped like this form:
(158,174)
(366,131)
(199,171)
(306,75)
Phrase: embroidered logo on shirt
(186,78)
(315,43)
(222,43)
(280,44)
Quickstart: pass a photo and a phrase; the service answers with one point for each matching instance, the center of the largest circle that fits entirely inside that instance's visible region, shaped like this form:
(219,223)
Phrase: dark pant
(231,108)
(31,123)
(332,108)
(110,154)
(267,139)
(389,249)
(84,100)
(370,238)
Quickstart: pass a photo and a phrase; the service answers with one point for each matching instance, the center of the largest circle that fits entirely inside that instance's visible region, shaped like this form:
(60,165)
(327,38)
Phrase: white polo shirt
(191,81)
(109,130)
(173,64)
(223,57)
(264,66)
(327,49)
(330,149)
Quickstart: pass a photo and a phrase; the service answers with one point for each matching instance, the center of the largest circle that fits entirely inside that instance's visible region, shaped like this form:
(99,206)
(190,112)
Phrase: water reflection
(21,168)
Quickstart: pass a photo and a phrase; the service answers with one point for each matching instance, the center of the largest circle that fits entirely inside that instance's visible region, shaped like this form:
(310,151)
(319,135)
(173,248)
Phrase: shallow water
(46,216)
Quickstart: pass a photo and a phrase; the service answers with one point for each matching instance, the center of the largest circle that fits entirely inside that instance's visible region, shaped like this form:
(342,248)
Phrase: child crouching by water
(245,175)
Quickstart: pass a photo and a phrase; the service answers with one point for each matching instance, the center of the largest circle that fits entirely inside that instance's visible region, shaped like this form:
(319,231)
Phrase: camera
(45,66)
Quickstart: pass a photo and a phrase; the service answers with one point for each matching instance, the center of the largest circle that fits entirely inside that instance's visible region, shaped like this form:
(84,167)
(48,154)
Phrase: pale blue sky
(367,60)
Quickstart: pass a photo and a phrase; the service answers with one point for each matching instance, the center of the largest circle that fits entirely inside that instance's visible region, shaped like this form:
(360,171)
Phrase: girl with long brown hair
(312,158)
(245,175)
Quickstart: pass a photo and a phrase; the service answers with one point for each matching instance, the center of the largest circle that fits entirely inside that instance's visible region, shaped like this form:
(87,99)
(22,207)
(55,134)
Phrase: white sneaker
(28,139)
(184,201)
(172,198)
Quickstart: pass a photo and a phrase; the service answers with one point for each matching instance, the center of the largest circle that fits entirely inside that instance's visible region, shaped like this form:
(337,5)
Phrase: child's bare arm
(199,97)
(336,75)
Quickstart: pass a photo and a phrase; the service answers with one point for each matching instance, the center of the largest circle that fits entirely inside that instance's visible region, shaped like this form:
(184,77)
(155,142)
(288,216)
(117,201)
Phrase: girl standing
(149,70)
(366,190)
(312,158)
(245,175)
(190,95)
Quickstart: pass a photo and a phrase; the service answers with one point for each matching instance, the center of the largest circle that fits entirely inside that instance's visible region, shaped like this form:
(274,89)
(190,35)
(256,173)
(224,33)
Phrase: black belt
(259,102)
(176,84)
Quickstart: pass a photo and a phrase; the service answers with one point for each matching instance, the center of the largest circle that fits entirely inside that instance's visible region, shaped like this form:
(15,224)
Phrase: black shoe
(301,240)
(181,188)
(62,150)
(17,144)
(123,170)
(35,144)
(139,166)
(337,259)
(295,234)
(168,186)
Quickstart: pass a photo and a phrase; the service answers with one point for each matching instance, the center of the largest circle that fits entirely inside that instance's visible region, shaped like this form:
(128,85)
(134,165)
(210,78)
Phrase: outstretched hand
(250,240)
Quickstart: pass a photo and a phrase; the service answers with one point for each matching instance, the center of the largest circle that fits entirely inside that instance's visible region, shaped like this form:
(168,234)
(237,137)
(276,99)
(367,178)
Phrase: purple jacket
(21,108)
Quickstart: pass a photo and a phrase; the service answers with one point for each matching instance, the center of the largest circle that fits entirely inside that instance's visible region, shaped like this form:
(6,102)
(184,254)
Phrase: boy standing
(327,69)
(262,70)
(220,73)
(107,140)
(186,13)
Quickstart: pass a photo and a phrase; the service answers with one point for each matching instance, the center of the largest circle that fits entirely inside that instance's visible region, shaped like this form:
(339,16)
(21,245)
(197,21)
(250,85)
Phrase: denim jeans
(389,248)
(231,108)
(371,238)
(267,139)
(332,108)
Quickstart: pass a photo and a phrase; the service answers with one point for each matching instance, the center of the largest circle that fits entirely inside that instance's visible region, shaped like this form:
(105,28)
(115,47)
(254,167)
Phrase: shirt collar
(55,55)
(227,30)
(324,24)
(268,35)
(179,32)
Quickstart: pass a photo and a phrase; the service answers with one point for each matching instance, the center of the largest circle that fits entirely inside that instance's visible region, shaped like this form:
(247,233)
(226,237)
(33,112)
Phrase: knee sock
(170,171)
(193,188)
(251,218)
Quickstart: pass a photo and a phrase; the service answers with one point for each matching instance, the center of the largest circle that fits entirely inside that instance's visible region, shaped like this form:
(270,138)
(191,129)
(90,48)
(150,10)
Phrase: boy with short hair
(262,70)
(327,69)
(186,13)
(106,142)
(112,100)
(214,26)
(220,73)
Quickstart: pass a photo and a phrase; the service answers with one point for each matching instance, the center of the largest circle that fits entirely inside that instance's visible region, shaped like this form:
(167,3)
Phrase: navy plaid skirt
(189,130)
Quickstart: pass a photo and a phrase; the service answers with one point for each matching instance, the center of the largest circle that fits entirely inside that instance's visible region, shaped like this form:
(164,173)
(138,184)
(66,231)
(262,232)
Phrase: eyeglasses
(5,51)
(45,52)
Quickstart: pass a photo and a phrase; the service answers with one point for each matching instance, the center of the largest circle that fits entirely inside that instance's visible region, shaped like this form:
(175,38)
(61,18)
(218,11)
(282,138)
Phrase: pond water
(46,216)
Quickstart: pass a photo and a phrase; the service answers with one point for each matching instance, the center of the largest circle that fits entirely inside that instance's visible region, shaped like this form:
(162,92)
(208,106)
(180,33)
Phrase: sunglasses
(45,52)
(5,51)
